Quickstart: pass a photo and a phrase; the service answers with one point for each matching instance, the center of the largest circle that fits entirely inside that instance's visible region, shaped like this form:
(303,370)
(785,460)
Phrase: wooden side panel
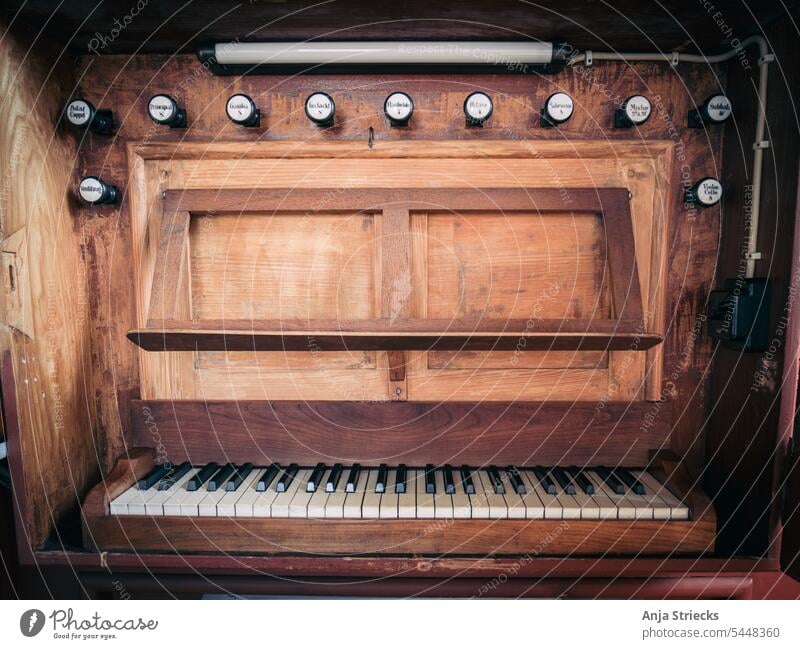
(57,441)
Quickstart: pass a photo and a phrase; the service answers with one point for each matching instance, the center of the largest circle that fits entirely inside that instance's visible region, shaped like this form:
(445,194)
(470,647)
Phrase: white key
(244,506)
(496,502)
(131,501)
(407,502)
(172,507)
(371,507)
(570,508)
(605,503)
(157,505)
(352,504)
(661,510)
(208,505)
(461,504)
(425,506)
(227,506)
(280,506)
(678,510)
(534,508)
(298,508)
(516,505)
(262,505)
(389,498)
(626,510)
(334,506)
(316,506)
(553,508)
(479,503)
(442,501)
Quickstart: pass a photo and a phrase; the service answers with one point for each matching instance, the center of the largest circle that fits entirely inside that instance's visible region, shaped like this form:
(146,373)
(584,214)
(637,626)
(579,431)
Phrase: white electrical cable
(764,59)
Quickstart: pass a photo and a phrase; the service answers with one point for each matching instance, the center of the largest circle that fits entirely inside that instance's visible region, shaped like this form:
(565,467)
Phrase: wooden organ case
(494,298)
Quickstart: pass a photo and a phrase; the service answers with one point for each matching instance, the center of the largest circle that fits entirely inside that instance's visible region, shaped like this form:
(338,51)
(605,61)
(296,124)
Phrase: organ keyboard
(415,509)
(400,493)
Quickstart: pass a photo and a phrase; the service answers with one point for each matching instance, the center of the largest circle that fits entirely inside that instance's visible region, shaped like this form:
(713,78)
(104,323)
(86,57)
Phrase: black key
(158,472)
(352,479)
(610,479)
(581,480)
(221,477)
(286,478)
(449,485)
(235,481)
(563,480)
(516,480)
(267,477)
(543,476)
(316,477)
(333,478)
(494,478)
(400,479)
(466,479)
(430,479)
(173,476)
(201,476)
(628,478)
(383,476)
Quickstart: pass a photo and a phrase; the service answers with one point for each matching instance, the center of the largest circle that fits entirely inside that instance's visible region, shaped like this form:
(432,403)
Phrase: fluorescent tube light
(380,56)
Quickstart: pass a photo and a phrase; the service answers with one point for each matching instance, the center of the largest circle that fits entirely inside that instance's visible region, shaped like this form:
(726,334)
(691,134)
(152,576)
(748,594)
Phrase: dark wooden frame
(169,327)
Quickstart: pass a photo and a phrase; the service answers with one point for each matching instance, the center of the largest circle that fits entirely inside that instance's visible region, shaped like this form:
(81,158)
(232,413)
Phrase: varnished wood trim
(410,432)
(386,334)
(304,200)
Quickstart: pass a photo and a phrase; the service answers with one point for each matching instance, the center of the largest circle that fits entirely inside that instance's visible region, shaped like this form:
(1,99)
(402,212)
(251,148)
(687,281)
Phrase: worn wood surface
(191,159)
(411,432)
(51,352)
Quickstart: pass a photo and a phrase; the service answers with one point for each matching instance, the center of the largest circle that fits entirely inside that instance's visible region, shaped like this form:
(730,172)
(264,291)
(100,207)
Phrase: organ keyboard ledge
(336,509)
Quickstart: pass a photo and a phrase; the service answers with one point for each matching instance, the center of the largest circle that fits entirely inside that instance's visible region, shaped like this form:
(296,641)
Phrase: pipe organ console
(357,325)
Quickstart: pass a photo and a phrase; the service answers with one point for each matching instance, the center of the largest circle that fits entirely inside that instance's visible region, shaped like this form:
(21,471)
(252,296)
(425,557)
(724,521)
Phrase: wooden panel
(255,266)
(472,360)
(521,266)
(410,432)
(606,157)
(57,442)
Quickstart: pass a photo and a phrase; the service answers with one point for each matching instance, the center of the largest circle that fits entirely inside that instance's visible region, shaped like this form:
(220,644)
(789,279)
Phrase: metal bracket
(752,255)
(588,57)
(767,58)
(676,58)
(763,144)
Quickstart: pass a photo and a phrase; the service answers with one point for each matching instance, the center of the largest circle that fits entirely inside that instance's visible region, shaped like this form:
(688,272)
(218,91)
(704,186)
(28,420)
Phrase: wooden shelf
(405,335)
(170,326)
